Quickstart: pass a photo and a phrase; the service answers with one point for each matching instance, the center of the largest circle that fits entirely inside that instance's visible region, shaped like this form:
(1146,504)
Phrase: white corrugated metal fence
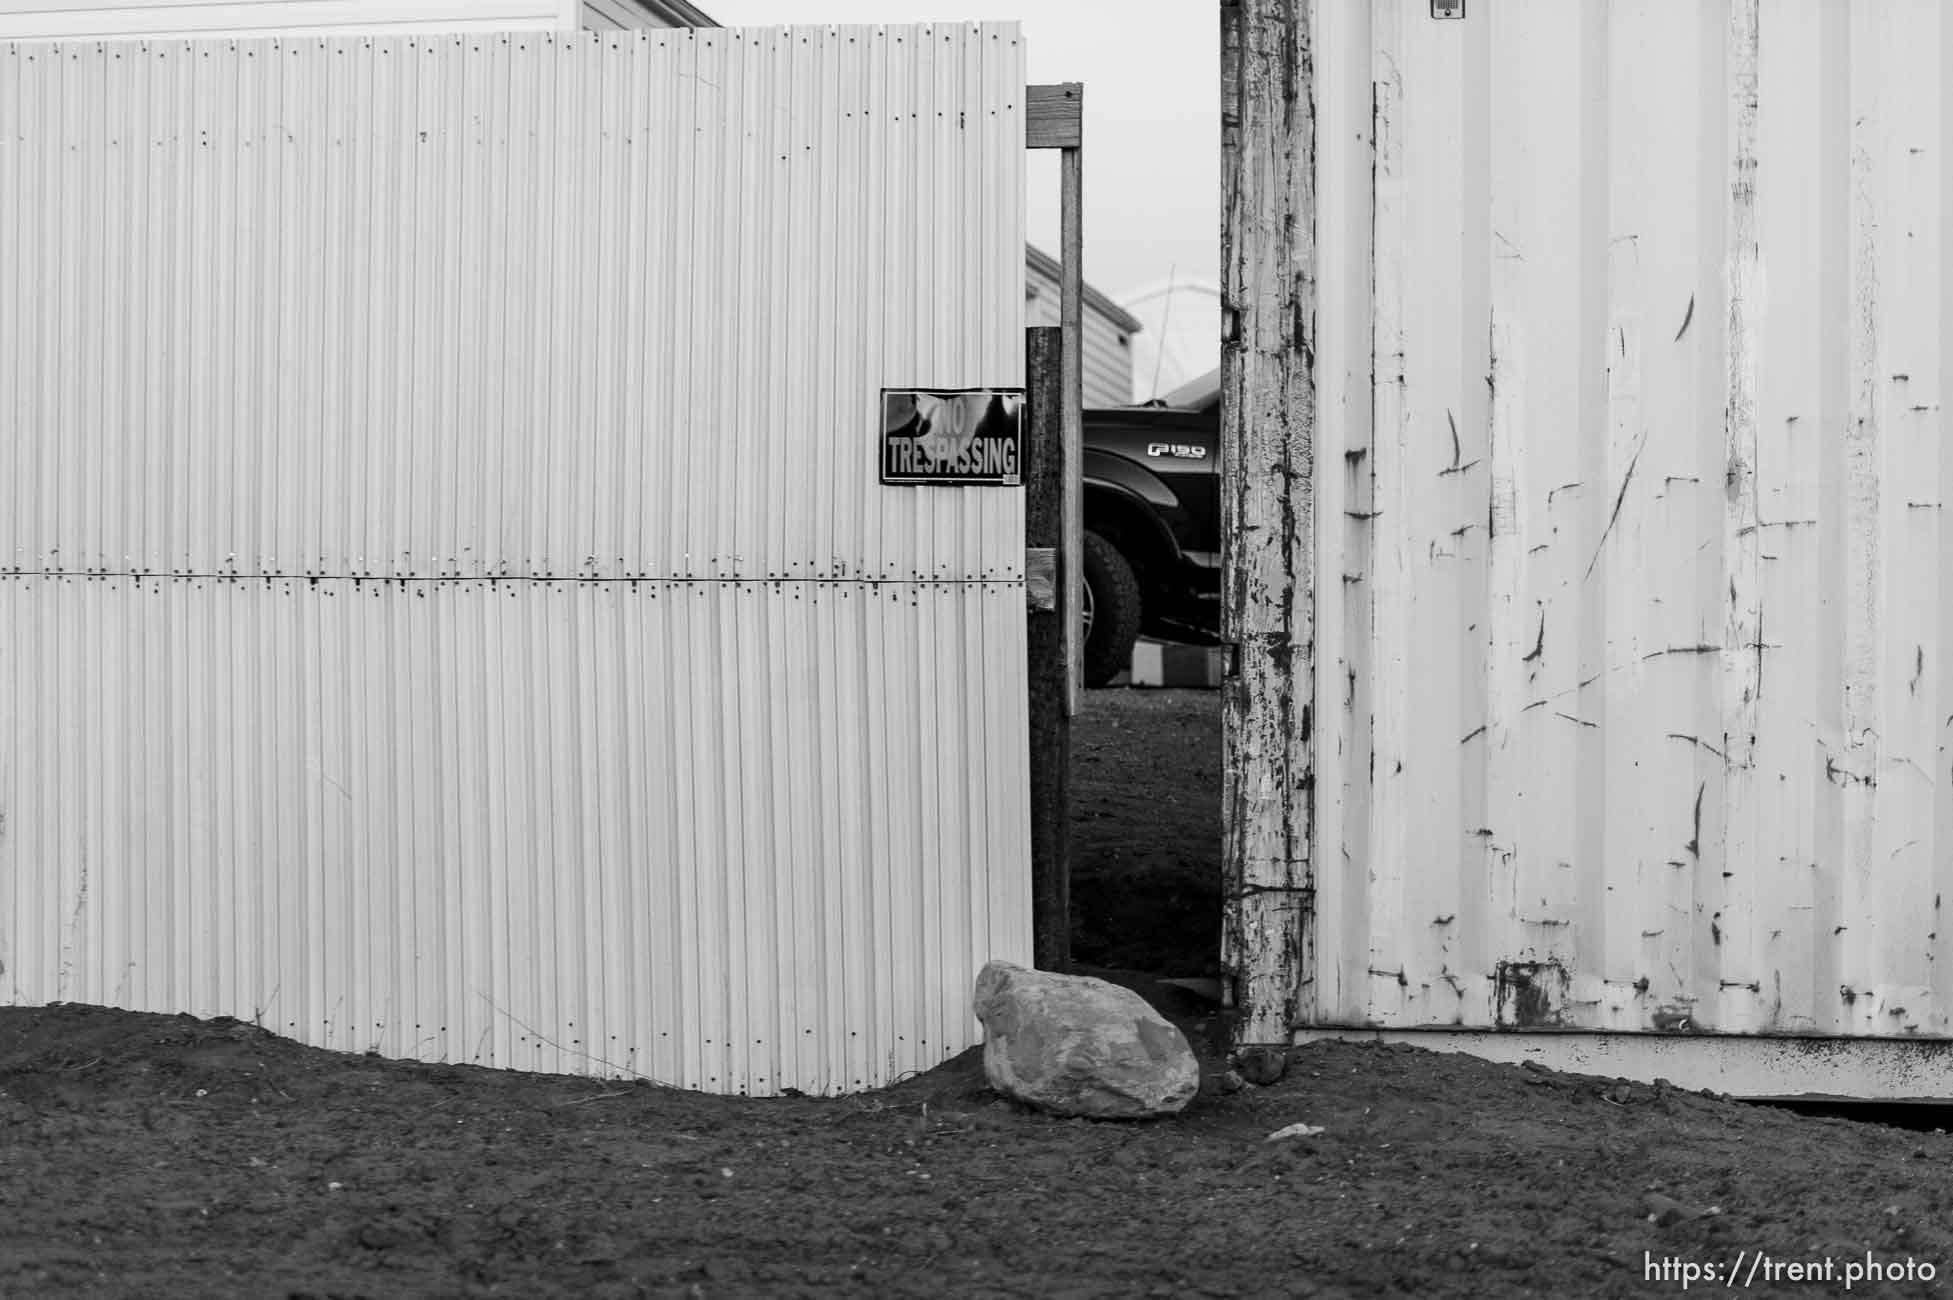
(123,19)
(449,606)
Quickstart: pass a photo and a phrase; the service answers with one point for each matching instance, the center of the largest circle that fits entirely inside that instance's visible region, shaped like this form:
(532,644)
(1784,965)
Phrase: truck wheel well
(1131,529)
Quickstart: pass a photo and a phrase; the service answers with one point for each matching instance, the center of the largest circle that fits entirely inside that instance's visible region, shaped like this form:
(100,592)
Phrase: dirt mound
(164,1155)
(147,1155)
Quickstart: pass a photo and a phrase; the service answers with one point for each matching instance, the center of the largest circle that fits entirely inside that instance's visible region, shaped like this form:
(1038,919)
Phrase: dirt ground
(163,1156)
(1146,831)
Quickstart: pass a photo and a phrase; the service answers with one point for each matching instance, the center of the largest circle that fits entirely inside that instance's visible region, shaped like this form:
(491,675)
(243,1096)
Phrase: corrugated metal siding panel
(717,776)
(113,20)
(397,282)
(1633,472)
(1108,362)
(713,834)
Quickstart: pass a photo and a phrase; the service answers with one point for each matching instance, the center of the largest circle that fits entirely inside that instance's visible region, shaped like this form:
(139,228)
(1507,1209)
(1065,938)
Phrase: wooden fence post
(1267,511)
(1055,119)
(1045,562)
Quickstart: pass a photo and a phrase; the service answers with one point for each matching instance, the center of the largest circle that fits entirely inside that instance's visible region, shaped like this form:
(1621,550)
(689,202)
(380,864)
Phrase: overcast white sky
(1151,70)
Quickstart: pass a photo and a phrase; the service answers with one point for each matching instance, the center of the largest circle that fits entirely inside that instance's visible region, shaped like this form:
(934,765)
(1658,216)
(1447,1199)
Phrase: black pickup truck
(1152,529)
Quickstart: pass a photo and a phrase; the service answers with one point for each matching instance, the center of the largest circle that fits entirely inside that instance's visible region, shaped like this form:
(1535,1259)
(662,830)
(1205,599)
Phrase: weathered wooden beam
(1267,454)
(1071,323)
(1041,579)
(1044,480)
(1054,116)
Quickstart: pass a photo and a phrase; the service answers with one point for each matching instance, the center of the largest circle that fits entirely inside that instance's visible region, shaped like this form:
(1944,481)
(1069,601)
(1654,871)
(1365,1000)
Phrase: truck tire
(1111,598)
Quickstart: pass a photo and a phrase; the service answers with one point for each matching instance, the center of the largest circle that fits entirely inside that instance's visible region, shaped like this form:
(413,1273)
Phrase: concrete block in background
(1162,664)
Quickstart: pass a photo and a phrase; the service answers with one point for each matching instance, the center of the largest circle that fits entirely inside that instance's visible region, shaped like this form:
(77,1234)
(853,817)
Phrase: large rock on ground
(1073,1045)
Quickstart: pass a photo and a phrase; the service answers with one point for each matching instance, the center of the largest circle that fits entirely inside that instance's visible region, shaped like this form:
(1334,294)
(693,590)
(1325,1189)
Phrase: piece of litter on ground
(1665,1210)
(1209,988)
(1296,1131)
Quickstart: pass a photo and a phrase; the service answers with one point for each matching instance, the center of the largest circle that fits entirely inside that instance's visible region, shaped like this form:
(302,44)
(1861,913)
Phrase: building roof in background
(1045,264)
(675,12)
(1197,394)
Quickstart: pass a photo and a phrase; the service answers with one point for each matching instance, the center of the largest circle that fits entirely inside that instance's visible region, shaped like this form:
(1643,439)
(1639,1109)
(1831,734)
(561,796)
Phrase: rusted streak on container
(1620,497)
(1741,649)
(1741,660)
(1529,994)
(1267,455)
(1505,629)
(1861,743)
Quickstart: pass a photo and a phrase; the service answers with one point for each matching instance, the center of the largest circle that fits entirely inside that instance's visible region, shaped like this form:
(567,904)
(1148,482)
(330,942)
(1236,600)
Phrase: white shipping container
(1633,602)
(449,605)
